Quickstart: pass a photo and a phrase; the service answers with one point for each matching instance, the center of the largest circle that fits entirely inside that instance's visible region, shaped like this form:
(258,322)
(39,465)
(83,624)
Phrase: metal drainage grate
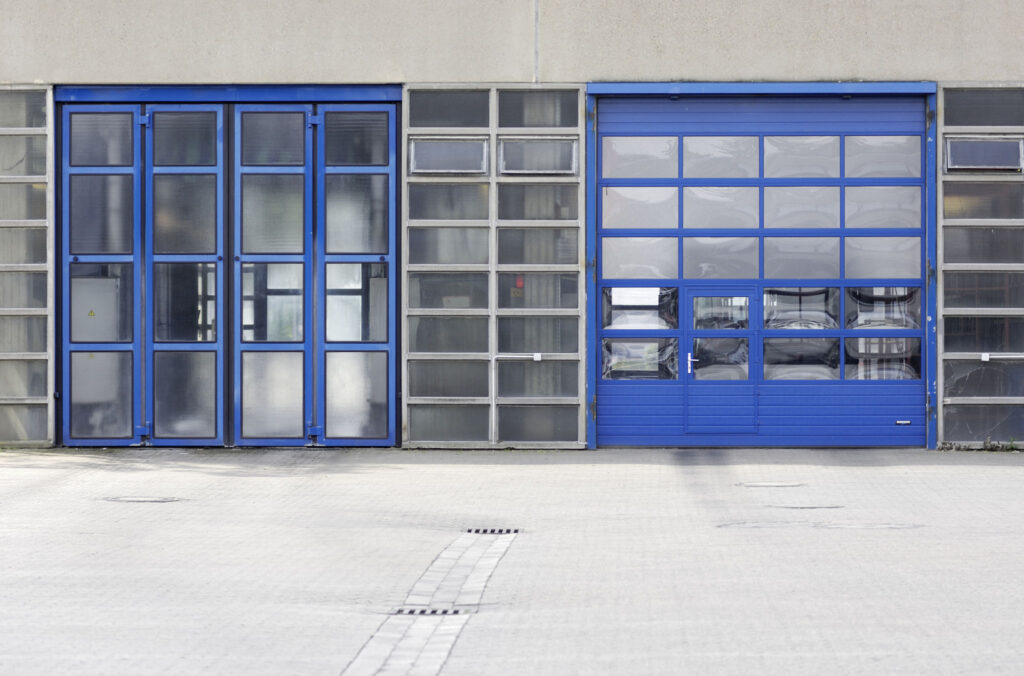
(425,611)
(492,531)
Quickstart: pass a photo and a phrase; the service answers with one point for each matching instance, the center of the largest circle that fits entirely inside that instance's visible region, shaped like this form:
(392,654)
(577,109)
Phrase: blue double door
(228,274)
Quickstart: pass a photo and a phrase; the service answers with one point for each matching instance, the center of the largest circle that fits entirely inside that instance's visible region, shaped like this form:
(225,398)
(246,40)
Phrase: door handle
(689,362)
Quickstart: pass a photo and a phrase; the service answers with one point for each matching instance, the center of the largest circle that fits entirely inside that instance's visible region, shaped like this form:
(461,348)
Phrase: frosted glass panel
(272,213)
(522,201)
(185,301)
(540,156)
(640,257)
(272,302)
(444,246)
(449,423)
(883,257)
(801,207)
(357,302)
(448,334)
(801,257)
(538,290)
(640,207)
(356,138)
(538,334)
(453,108)
(801,156)
(538,108)
(538,423)
(448,201)
(274,138)
(538,379)
(23,378)
(356,403)
(538,246)
(22,289)
(102,307)
(892,156)
(22,108)
(357,213)
(448,156)
(889,206)
(101,394)
(22,155)
(101,214)
(185,394)
(23,423)
(185,213)
(101,139)
(711,207)
(983,199)
(640,157)
(22,201)
(448,290)
(720,157)
(22,245)
(272,394)
(185,138)
(449,378)
(982,245)
(22,334)
(720,258)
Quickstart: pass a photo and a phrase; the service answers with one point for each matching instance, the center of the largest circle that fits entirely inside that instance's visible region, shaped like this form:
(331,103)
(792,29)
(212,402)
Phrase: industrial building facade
(513,250)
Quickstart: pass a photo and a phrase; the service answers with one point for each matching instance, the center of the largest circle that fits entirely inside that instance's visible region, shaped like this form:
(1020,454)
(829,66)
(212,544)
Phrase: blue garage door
(760,272)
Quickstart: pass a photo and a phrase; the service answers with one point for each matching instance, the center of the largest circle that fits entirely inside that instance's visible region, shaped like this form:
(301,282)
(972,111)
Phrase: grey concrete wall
(389,41)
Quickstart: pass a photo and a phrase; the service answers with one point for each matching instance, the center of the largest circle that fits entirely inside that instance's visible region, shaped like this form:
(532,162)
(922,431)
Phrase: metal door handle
(689,362)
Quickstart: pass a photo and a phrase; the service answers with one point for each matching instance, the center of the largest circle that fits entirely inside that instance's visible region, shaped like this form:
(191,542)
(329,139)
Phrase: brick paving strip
(418,637)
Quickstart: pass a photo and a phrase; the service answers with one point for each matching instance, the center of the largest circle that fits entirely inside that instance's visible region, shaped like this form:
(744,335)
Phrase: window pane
(983,154)
(355,138)
(640,257)
(22,245)
(272,302)
(1003,378)
(720,157)
(22,201)
(640,308)
(540,156)
(721,312)
(883,359)
(537,108)
(185,302)
(801,358)
(883,257)
(721,207)
(22,155)
(22,289)
(448,245)
(101,214)
(101,394)
(538,378)
(801,156)
(801,207)
(356,396)
(991,422)
(890,206)
(23,378)
(448,201)
(801,257)
(538,246)
(639,157)
(538,423)
(449,423)
(181,139)
(356,213)
(448,290)
(23,423)
(984,289)
(984,107)
(448,334)
(274,138)
(22,334)
(22,108)
(883,156)
(801,308)
(517,202)
(983,334)
(720,258)
(185,394)
(102,304)
(272,213)
(101,139)
(640,359)
(357,302)
(538,334)
(447,156)
(895,307)
(272,387)
(982,245)
(982,199)
(185,213)
(538,290)
(449,378)
(452,108)
(640,208)
(721,359)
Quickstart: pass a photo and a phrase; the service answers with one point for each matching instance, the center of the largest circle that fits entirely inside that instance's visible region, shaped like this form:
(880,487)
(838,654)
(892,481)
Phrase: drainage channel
(418,636)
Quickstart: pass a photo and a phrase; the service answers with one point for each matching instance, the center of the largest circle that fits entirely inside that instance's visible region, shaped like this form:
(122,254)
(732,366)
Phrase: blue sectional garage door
(761,271)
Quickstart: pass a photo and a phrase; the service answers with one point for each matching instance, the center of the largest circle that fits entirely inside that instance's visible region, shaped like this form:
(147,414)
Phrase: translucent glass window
(989,154)
(448,334)
(20,108)
(101,139)
(448,156)
(982,244)
(1000,107)
(1002,378)
(538,334)
(983,334)
(356,395)
(892,156)
(101,214)
(721,358)
(801,257)
(22,155)
(273,208)
(22,289)
(272,394)
(185,301)
(449,423)
(885,307)
(982,199)
(184,213)
(983,289)
(22,245)
(356,217)
(22,201)
(102,304)
(101,395)
(721,312)
(448,246)
(721,207)
(23,422)
(538,290)
(527,201)
(633,308)
(22,334)
(883,358)
(537,156)
(184,138)
(448,108)
(801,156)
(538,423)
(517,108)
(356,138)
(538,378)
(720,258)
(639,207)
(801,308)
(357,302)
(801,207)
(640,257)
(276,139)
(448,290)
(23,378)
(272,302)
(868,257)
(640,359)
(449,378)
(889,206)
(185,394)
(639,157)
(801,358)
(448,201)
(983,422)
(720,157)
(538,246)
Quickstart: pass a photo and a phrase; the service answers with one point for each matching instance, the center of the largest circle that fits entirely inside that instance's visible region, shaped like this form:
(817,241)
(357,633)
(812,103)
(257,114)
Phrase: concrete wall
(385,41)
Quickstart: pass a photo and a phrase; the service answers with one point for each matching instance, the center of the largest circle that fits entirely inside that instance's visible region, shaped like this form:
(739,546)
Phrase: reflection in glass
(448,201)
(273,206)
(448,334)
(101,394)
(448,246)
(720,157)
(101,139)
(640,359)
(356,395)
(449,378)
(526,201)
(23,290)
(713,207)
(720,258)
(185,138)
(639,157)
(883,206)
(801,156)
(272,302)
(538,378)
(984,289)
(448,290)
(101,214)
(801,358)
(448,156)
(449,423)
(801,308)
(720,359)
(538,246)
(538,290)
(983,334)
(22,245)
(23,378)
(888,307)
(801,257)
(272,401)
(883,358)
(1003,378)
(538,423)
(184,213)
(102,308)
(868,257)
(640,257)
(356,138)
(185,301)
(640,207)
(801,207)
(356,213)
(721,312)
(525,108)
(640,308)
(983,199)
(451,108)
(537,156)
(517,335)
(983,422)
(891,156)
(357,302)
(274,139)
(22,155)
(964,244)
(185,394)
(24,422)
(22,201)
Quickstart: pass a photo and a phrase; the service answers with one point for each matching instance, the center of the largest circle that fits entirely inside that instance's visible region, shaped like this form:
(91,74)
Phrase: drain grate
(426,611)
(492,531)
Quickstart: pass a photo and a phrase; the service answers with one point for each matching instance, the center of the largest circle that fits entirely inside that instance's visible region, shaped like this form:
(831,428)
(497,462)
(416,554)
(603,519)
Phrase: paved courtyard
(626,561)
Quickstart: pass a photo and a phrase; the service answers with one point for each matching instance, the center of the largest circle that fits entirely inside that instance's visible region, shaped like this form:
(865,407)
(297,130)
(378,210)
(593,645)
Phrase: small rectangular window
(448,201)
(640,359)
(451,108)
(984,107)
(521,202)
(537,156)
(538,108)
(627,307)
(22,155)
(983,154)
(983,199)
(22,109)
(440,155)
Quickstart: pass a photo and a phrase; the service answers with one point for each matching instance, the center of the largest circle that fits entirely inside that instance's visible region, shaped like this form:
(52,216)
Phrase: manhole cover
(770,484)
(141,498)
